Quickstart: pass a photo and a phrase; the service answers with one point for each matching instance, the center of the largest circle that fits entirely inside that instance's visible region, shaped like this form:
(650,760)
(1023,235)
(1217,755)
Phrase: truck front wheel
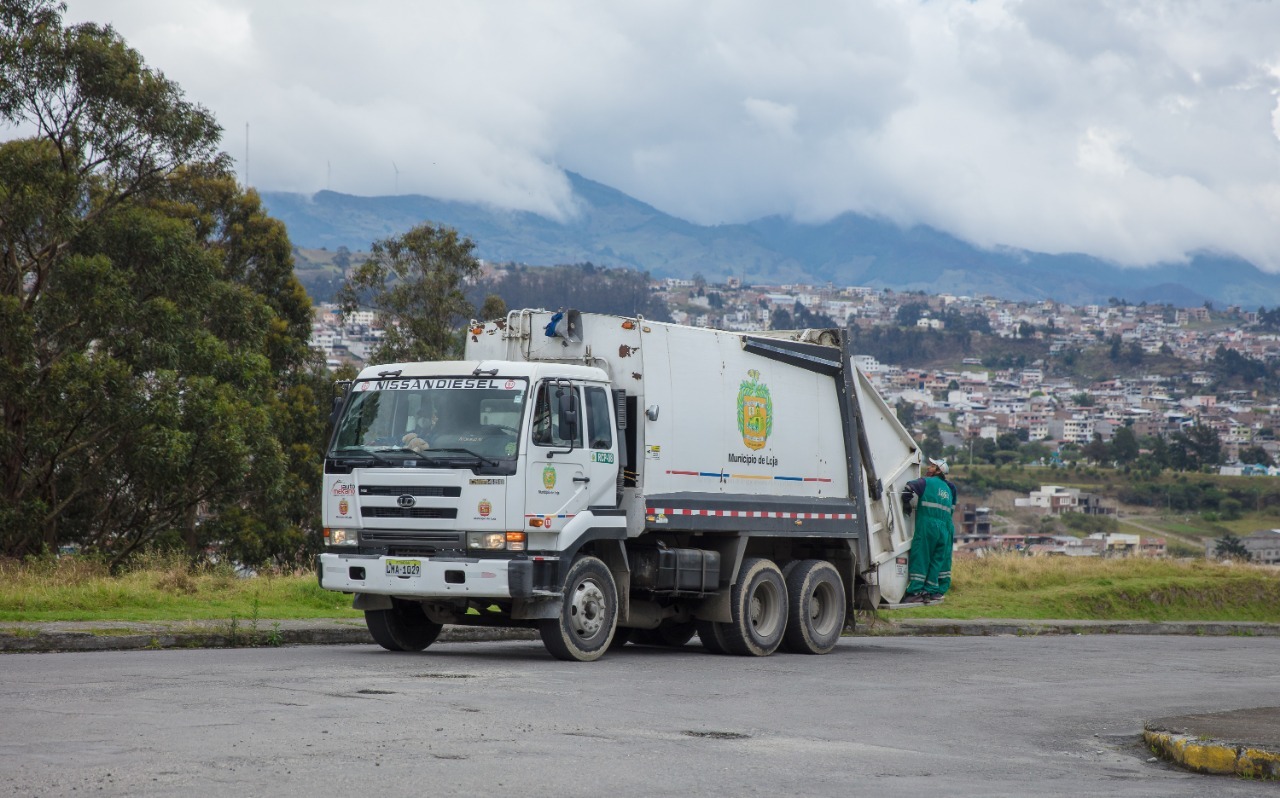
(815,607)
(758,603)
(588,613)
(404,627)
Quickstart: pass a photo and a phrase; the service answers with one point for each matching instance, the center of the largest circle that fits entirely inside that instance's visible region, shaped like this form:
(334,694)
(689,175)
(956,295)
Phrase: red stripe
(740,514)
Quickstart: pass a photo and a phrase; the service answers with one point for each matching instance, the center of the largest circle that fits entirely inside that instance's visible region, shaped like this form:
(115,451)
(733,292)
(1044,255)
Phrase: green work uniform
(929,563)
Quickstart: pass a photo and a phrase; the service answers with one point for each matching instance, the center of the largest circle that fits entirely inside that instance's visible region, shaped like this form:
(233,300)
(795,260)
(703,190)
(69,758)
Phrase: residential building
(1056,500)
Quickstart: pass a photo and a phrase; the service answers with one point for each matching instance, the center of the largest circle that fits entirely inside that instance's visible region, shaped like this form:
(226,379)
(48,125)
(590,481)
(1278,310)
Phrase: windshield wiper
(479,457)
(380,455)
(361,453)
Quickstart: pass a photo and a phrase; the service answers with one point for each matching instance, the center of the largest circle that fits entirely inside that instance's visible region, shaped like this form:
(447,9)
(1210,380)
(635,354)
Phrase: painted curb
(1213,756)
(264,636)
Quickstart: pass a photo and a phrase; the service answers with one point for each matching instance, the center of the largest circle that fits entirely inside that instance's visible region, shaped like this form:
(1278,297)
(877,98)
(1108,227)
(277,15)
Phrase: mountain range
(613,229)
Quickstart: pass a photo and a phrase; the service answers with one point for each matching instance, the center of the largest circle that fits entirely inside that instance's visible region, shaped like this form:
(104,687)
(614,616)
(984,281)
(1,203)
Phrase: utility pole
(246,154)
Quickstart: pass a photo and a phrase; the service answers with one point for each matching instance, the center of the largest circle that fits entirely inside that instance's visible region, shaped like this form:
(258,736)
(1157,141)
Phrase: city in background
(982,380)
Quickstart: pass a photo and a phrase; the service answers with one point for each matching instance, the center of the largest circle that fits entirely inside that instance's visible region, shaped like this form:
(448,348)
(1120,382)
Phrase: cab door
(557,485)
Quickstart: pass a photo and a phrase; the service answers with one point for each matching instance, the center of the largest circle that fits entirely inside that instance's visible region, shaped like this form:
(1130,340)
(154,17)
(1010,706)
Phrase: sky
(1139,131)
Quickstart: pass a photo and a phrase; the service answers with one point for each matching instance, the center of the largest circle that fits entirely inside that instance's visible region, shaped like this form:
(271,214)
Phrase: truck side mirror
(567,410)
(343,387)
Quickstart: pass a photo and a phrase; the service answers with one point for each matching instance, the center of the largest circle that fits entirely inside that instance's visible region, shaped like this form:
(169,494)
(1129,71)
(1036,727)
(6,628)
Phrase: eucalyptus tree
(152,335)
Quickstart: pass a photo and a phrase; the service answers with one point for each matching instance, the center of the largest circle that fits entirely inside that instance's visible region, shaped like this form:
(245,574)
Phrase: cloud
(1138,132)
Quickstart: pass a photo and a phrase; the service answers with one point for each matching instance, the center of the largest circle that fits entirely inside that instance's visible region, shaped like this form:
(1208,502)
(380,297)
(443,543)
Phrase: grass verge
(1092,588)
(1006,586)
(158,589)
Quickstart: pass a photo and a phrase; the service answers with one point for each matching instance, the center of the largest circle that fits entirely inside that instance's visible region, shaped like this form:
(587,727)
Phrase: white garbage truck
(606,480)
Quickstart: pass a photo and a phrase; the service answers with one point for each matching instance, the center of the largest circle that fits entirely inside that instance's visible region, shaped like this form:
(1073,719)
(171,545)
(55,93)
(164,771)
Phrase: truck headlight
(486,540)
(340,537)
(496,541)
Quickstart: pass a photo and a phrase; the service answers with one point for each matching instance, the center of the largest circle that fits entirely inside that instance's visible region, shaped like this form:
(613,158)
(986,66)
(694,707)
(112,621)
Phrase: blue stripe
(726,475)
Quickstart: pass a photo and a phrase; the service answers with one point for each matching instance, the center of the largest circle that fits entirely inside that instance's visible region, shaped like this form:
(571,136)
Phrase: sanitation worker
(929,563)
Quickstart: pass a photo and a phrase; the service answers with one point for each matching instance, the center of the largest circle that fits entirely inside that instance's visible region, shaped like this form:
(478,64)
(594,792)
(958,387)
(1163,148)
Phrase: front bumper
(440,577)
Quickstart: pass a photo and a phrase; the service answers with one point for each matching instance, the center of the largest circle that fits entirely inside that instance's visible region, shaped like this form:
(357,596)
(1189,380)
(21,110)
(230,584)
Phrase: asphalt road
(959,716)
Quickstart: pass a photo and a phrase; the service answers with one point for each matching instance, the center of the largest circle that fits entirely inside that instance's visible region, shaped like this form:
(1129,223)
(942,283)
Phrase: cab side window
(599,430)
(546,421)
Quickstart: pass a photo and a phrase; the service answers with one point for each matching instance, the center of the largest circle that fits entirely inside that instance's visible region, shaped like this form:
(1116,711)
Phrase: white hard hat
(940,463)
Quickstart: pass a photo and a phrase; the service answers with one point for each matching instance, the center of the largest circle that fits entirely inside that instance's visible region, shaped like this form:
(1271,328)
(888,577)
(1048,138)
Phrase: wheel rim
(764,612)
(823,608)
(588,609)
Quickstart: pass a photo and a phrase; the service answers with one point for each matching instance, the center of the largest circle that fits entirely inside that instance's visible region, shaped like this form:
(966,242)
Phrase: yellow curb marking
(1256,763)
(1212,757)
(1209,758)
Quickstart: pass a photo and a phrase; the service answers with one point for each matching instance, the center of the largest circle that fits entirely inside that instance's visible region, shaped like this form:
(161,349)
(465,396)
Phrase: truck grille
(442,491)
(411,551)
(426,539)
(405,543)
(413,512)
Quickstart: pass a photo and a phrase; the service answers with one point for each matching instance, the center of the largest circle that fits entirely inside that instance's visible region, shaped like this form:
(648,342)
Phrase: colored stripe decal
(749,514)
(720,475)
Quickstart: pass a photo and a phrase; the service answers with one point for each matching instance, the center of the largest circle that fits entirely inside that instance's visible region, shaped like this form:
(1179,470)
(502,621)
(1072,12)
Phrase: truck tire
(588,614)
(404,627)
(758,604)
(815,608)
(712,636)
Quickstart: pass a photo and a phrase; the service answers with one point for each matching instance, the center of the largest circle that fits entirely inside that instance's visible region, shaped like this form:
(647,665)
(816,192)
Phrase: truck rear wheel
(712,636)
(758,603)
(404,627)
(588,613)
(815,607)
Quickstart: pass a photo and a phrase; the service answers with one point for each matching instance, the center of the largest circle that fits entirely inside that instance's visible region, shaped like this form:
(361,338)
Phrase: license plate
(404,568)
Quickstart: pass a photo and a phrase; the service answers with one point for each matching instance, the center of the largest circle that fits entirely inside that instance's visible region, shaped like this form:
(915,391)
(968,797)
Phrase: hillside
(614,229)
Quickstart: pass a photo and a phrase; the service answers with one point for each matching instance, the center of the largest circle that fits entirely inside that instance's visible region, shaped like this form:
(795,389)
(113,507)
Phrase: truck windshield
(445,418)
